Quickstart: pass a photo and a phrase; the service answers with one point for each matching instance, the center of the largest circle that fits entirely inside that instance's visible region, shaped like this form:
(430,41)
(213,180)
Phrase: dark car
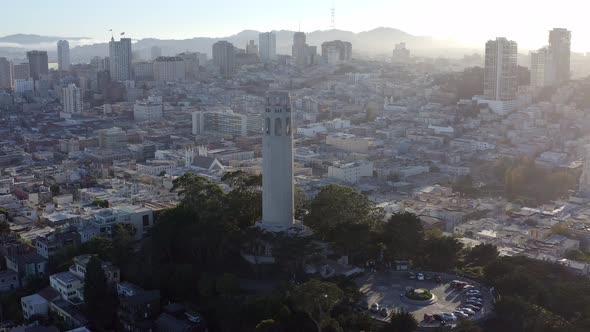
(375,308)
(411,275)
(438,317)
(383,312)
(438,278)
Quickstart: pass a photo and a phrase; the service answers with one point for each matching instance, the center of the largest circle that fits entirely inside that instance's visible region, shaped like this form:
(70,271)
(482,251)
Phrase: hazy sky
(469,21)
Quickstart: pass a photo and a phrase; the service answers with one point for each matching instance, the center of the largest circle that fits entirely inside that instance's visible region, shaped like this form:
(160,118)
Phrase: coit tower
(277,163)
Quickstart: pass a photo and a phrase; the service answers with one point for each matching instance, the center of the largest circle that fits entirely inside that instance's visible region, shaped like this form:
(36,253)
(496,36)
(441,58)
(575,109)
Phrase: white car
(460,313)
(421,276)
(467,311)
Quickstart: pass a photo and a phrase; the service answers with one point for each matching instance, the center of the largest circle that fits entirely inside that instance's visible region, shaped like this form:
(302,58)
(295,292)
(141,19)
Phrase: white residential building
(311,130)
(351,172)
(67,284)
(72,99)
(349,142)
(156,167)
(142,219)
(500,73)
(34,305)
(169,69)
(220,121)
(24,85)
(150,109)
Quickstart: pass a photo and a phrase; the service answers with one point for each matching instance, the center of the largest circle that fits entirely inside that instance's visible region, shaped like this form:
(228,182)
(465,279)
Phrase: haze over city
(264,166)
(464,21)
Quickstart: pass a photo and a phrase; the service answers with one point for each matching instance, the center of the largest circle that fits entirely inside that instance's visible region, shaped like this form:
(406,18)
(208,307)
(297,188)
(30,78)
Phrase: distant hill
(376,41)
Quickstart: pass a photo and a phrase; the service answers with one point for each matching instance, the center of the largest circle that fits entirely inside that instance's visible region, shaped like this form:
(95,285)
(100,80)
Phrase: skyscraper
(63,55)
(500,74)
(120,59)
(38,64)
(542,70)
(560,48)
(299,49)
(72,99)
(277,159)
(224,57)
(5,74)
(267,43)
(336,51)
(251,48)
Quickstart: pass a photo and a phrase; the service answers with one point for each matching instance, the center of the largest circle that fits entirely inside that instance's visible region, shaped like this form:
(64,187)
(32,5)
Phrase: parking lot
(385,288)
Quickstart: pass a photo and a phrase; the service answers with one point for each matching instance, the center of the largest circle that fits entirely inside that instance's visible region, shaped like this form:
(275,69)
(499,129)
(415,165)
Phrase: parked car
(438,278)
(467,311)
(472,307)
(449,317)
(383,312)
(474,302)
(411,275)
(460,314)
(375,308)
(473,292)
(428,276)
(421,276)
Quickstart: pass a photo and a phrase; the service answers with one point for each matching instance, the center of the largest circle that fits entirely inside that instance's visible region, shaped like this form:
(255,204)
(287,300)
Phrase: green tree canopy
(316,299)
(401,321)
(403,236)
(99,298)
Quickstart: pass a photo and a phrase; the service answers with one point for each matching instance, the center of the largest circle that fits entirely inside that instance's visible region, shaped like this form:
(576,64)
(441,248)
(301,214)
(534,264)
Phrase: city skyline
(226,17)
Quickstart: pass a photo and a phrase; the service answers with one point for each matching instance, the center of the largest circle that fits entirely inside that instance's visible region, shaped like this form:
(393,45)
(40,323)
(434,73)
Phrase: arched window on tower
(267,126)
(278,127)
(288,126)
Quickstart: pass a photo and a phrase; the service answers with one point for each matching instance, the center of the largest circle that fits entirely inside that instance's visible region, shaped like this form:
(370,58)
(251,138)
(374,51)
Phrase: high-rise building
(63,55)
(143,71)
(221,122)
(169,68)
(5,74)
(542,70)
(21,71)
(120,59)
(251,48)
(72,99)
(277,161)
(299,49)
(400,54)
(150,109)
(584,184)
(268,46)
(224,57)
(336,51)
(560,48)
(500,74)
(156,52)
(191,63)
(38,64)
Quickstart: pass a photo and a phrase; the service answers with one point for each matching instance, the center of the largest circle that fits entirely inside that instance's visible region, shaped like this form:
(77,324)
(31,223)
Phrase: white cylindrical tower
(277,170)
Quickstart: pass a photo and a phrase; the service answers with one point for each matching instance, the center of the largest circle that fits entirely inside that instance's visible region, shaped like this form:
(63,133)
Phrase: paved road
(385,288)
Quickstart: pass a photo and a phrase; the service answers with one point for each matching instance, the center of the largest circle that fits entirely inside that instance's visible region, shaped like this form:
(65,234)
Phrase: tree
(4,227)
(103,203)
(55,189)
(316,299)
(483,254)
(122,244)
(401,321)
(442,254)
(467,326)
(402,235)
(99,298)
(342,216)
(245,198)
(268,325)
